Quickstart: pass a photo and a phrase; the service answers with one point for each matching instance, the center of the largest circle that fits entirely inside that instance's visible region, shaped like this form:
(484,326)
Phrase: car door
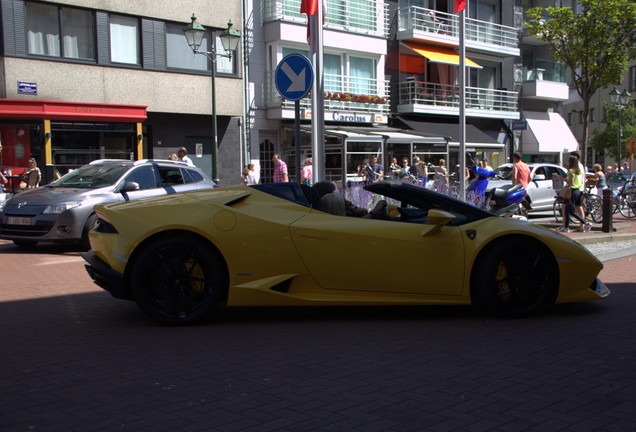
(349,253)
(147,179)
(540,190)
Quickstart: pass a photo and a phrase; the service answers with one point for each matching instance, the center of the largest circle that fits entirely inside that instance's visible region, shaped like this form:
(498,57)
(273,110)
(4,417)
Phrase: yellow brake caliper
(502,281)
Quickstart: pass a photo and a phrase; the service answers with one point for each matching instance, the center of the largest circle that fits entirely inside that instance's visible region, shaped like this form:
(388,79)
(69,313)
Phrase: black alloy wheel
(178,281)
(516,277)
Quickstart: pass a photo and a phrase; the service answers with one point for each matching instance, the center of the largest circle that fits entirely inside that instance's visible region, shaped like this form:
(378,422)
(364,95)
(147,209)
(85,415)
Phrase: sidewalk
(623,229)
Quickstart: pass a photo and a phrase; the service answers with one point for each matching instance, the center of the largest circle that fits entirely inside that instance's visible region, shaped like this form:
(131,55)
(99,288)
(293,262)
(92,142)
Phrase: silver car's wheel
(178,281)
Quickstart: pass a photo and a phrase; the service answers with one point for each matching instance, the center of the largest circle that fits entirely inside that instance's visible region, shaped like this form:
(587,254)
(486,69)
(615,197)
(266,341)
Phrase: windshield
(504,172)
(92,176)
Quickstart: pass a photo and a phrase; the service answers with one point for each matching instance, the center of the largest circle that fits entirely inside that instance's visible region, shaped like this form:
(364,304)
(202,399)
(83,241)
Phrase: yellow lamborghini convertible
(180,256)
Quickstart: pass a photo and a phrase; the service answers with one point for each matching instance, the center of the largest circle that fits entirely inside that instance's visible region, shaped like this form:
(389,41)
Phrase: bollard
(607,210)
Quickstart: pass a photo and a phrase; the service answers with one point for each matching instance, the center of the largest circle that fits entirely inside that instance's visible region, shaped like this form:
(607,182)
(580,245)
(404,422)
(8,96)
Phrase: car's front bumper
(105,277)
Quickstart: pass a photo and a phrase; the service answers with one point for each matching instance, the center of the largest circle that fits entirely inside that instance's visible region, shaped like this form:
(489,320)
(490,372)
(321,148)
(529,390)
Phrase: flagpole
(317,95)
(462,106)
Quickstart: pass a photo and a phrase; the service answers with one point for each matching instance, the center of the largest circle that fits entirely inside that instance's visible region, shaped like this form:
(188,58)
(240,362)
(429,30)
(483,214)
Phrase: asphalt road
(75,359)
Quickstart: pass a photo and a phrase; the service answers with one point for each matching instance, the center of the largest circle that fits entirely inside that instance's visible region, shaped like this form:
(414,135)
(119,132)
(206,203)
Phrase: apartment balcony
(545,80)
(418,97)
(435,27)
(347,99)
(370,17)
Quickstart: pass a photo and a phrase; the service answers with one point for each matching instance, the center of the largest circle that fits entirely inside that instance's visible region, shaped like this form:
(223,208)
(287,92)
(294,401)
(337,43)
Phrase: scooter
(503,201)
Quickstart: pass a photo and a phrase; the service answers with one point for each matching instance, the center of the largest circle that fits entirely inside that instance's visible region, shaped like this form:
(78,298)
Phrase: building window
(332,68)
(632,79)
(180,56)
(60,32)
(581,117)
(179,53)
(124,40)
(570,119)
(363,76)
(592,115)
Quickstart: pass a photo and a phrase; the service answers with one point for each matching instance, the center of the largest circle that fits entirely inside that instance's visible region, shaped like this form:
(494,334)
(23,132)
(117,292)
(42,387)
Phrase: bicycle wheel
(557,209)
(593,206)
(628,204)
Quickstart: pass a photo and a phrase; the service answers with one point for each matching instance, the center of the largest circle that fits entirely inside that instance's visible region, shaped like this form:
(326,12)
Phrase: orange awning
(436,54)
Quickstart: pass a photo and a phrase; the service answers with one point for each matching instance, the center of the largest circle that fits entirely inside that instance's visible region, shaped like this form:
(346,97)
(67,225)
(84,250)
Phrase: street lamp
(620,100)
(230,38)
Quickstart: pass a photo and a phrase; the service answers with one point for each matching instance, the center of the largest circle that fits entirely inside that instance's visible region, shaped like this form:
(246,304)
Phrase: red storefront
(63,135)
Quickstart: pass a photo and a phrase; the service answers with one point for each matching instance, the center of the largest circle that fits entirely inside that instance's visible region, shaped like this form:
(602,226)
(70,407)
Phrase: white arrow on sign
(297,80)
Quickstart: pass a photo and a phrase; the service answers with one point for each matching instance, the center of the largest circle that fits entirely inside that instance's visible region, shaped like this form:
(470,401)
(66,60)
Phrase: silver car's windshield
(504,172)
(92,176)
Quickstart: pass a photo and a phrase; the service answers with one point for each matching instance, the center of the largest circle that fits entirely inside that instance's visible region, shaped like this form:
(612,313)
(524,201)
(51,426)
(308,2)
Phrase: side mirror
(538,177)
(437,219)
(129,186)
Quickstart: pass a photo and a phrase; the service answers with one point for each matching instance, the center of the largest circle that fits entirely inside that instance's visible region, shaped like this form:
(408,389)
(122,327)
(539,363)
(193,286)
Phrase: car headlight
(60,207)
(2,203)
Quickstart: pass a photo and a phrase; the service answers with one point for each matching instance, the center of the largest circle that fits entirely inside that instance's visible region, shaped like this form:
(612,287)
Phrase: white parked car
(540,190)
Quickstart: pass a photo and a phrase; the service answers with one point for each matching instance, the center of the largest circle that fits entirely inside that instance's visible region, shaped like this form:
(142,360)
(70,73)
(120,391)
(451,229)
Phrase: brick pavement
(75,359)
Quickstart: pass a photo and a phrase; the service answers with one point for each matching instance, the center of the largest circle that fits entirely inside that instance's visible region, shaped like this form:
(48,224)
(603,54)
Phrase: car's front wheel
(178,281)
(515,277)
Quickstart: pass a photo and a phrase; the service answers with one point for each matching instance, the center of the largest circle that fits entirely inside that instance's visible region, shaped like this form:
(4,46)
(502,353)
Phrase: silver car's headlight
(60,207)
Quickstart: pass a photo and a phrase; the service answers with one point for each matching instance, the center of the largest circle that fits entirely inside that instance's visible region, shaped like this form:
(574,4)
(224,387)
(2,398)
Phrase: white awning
(547,133)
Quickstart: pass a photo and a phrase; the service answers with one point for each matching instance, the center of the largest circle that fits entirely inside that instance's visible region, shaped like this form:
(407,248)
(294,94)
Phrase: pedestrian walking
(280,170)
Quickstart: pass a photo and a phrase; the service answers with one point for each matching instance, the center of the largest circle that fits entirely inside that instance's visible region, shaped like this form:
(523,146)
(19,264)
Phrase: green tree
(595,42)
(606,139)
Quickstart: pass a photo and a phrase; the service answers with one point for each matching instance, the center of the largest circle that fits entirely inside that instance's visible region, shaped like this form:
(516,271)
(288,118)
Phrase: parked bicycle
(624,202)
(592,206)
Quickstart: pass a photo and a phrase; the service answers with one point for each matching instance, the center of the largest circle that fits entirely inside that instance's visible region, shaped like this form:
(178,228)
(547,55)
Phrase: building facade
(82,80)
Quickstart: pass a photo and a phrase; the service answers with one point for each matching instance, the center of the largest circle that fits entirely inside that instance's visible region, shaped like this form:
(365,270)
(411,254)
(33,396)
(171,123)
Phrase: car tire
(25,243)
(178,281)
(89,225)
(515,277)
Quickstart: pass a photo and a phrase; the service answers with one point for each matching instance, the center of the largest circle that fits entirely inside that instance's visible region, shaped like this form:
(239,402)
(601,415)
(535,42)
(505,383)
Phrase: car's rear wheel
(178,281)
(515,278)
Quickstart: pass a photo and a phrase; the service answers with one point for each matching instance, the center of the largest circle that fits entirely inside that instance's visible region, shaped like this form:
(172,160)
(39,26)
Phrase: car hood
(46,195)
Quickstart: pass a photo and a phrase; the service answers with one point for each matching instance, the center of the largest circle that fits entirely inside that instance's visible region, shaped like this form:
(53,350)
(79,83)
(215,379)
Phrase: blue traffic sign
(294,77)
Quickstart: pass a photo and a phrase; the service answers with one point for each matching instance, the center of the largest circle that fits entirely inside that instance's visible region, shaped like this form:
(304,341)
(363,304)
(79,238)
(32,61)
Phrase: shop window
(60,31)
(124,39)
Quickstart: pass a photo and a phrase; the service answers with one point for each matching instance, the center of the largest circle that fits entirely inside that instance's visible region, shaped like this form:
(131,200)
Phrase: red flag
(460,5)
(309,7)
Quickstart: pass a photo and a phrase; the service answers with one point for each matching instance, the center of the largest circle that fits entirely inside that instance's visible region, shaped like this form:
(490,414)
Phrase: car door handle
(312,236)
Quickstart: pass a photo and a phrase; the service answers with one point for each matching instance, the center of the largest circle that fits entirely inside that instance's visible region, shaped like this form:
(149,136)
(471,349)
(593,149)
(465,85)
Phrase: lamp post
(620,100)
(230,38)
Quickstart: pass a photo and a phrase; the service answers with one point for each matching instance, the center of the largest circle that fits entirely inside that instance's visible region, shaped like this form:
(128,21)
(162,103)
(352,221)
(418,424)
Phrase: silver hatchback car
(63,210)
(540,190)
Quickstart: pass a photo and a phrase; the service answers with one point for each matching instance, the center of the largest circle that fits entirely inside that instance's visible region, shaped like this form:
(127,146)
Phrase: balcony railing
(368,17)
(546,70)
(443,95)
(342,93)
(415,18)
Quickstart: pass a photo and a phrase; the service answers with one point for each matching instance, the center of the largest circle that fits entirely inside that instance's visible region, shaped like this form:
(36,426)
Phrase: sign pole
(297,137)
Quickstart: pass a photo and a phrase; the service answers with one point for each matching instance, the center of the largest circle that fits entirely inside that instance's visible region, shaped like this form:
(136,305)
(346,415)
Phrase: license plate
(14,220)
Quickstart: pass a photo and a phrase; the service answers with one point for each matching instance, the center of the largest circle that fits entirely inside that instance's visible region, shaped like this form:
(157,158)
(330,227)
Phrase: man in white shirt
(183,156)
